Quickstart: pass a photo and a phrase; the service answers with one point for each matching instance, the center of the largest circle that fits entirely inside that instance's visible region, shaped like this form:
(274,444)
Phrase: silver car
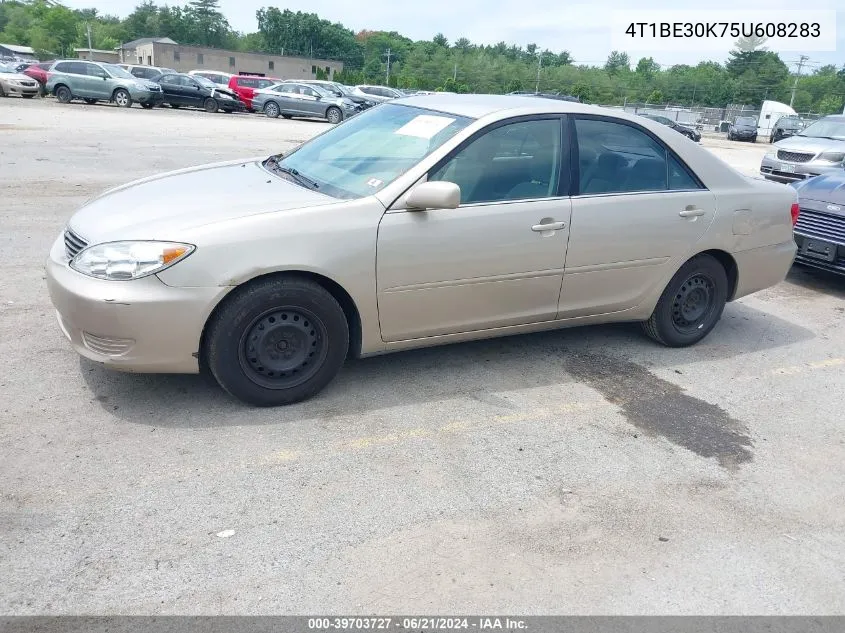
(424,221)
(816,150)
(290,99)
(379,94)
(93,81)
(15,83)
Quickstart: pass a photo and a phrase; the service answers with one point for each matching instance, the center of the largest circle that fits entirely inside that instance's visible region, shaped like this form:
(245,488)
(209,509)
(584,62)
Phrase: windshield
(825,128)
(117,71)
(746,120)
(371,150)
(204,81)
(791,123)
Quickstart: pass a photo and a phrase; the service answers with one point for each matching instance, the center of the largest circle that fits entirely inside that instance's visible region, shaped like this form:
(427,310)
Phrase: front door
(637,213)
(497,259)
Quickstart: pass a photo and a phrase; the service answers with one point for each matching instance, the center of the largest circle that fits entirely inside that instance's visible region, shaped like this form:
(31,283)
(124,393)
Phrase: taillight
(795,211)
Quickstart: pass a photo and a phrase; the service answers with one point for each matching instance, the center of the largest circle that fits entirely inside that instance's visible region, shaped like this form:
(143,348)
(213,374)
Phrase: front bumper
(786,172)
(18,90)
(137,326)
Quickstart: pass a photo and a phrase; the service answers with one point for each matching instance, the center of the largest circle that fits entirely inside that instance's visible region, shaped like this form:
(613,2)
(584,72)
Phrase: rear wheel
(277,341)
(271,109)
(691,304)
(210,105)
(334,115)
(122,98)
(63,94)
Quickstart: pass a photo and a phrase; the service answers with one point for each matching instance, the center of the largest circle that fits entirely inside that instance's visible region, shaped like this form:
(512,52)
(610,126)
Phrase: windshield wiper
(273,163)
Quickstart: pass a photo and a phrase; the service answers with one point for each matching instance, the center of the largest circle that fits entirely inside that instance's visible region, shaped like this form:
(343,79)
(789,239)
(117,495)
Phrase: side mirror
(437,194)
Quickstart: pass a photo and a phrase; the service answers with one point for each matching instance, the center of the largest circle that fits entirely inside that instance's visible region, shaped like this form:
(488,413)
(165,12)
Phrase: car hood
(807,144)
(158,206)
(15,76)
(827,190)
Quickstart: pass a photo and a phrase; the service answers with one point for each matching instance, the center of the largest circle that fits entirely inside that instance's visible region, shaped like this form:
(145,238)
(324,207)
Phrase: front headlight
(832,157)
(121,261)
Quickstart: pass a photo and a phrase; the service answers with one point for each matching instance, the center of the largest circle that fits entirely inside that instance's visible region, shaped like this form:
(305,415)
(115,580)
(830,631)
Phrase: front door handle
(551,226)
(691,212)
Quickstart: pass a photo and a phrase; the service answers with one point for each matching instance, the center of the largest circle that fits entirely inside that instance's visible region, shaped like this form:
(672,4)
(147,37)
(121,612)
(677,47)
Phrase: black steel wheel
(276,341)
(63,94)
(210,105)
(691,304)
(283,347)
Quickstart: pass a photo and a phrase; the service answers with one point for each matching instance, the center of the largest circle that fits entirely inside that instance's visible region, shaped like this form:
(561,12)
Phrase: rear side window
(265,83)
(247,82)
(620,158)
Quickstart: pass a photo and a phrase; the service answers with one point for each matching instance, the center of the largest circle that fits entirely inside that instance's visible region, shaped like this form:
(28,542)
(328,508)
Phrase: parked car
(785,127)
(744,128)
(820,231)
(547,95)
(301,100)
(245,86)
(818,149)
(220,79)
(39,72)
(690,133)
(145,72)
(485,219)
(195,91)
(15,83)
(339,90)
(94,81)
(379,94)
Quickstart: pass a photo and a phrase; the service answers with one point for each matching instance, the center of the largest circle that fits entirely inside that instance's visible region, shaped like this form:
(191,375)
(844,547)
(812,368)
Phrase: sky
(583,28)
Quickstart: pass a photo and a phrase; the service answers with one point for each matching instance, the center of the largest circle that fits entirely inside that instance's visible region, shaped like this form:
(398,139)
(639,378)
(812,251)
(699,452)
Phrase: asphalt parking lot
(581,471)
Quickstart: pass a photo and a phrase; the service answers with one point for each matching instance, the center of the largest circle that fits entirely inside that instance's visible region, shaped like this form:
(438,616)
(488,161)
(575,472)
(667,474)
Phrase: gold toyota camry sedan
(422,221)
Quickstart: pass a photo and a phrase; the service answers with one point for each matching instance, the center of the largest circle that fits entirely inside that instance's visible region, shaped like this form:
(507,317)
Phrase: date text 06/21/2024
(416,623)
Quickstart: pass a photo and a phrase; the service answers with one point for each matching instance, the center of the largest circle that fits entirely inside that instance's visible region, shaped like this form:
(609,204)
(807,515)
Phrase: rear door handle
(551,226)
(691,213)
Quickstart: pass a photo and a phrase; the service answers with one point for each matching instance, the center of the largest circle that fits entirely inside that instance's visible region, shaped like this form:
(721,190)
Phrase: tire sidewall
(128,103)
(338,114)
(64,95)
(662,317)
(210,105)
(239,312)
(271,110)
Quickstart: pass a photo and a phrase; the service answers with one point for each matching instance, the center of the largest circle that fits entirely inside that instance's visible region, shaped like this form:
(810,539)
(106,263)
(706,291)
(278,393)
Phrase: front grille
(73,244)
(822,225)
(794,157)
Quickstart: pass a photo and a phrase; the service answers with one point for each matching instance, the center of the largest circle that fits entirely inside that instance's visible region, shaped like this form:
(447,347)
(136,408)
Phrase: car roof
(476,106)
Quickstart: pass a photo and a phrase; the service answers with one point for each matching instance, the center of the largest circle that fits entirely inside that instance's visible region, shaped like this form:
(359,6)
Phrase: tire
(2,92)
(334,115)
(210,105)
(691,304)
(147,106)
(122,98)
(271,109)
(269,331)
(63,94)
(754,139)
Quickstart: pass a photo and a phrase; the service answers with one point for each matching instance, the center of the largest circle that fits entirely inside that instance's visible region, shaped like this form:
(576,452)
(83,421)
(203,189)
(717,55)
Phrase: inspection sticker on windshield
(374,182)
(424,126)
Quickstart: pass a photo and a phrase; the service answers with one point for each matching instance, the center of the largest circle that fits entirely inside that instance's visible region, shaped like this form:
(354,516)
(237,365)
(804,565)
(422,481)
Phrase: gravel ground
(581,471)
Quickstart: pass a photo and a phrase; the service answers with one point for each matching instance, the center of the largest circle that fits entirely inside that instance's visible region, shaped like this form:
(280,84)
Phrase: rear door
(637,213)
(171,89)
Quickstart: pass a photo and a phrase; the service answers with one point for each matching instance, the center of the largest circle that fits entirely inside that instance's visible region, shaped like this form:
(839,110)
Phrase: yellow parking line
(798,369)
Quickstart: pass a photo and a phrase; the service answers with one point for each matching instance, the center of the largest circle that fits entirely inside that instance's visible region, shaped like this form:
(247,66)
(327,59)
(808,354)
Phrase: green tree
(647,67)
(617,62)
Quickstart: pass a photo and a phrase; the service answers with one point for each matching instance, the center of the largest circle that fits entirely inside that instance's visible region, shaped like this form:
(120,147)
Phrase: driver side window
(517,161)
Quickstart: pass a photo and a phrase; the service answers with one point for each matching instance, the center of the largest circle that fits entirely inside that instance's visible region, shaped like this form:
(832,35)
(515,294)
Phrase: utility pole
(90,51)
(801,61)
(455,73)
(539,66)
(387,79)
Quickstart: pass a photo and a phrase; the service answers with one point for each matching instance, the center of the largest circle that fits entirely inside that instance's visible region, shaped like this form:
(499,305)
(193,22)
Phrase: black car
(820,229)
(689,132)
(194,91)
(744,128)
(786,126)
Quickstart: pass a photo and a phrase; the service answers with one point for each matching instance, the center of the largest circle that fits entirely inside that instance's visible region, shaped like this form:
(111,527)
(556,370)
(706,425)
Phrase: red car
(39,72)
(246,85)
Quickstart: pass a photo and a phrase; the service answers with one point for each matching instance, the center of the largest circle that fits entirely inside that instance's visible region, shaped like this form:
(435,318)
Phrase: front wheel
(691,304)
(334,115)
(271,109)
(63,94)
(277,341)
(210,105)
(122,98)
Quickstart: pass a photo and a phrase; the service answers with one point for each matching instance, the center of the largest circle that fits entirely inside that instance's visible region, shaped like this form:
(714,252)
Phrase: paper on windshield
(424,126)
